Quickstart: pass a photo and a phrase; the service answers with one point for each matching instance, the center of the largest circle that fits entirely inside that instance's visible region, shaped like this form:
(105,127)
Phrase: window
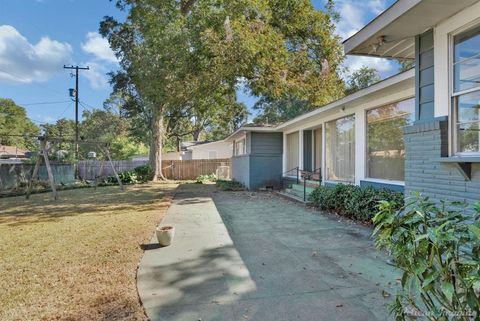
(466,91)
(240,147)
(385,146)
(340,150)
(212,154)
(292,152)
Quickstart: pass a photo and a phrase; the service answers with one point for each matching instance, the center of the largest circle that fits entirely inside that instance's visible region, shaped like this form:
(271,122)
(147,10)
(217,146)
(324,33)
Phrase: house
(201,150)
(12,152)
(357,139)
(416,131)
(442,146)
(257,156)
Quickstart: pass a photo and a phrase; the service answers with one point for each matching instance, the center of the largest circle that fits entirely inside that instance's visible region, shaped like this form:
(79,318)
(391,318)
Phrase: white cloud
(99,47)
(23,62)
(354,15)
(97,75)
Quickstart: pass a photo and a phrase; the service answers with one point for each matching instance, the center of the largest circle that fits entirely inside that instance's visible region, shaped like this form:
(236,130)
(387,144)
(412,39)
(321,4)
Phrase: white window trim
(452,108)
(244,139)
(366,177)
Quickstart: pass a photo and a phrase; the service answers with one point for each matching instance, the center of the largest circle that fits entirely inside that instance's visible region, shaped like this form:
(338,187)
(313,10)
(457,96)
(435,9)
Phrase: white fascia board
(250,129)
(410,74)
(384,19)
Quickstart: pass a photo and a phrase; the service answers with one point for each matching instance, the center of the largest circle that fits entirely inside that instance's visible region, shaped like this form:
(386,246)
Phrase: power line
(32,83)
(63,112)
(45,103)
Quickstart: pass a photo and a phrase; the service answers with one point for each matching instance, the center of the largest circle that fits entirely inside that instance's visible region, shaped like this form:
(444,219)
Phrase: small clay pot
(165,235)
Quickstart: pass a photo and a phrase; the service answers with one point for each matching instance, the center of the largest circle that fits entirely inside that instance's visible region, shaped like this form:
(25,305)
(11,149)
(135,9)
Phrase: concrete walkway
(255,256)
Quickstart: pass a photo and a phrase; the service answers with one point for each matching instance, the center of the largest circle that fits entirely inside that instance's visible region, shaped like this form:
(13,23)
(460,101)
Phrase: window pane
(467,60)
(467,74)
(292,152)
(340,149)
(467,44)
(468,119)
(469,137)
(468,107)
(386,149)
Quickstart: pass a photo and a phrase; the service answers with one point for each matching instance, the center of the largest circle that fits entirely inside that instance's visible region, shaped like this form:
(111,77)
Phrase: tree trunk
(196,134)
(156,145)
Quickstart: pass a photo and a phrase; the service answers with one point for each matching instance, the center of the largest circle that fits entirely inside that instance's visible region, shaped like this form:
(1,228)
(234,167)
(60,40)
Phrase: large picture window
(385,145)
(340,150)
(466,91)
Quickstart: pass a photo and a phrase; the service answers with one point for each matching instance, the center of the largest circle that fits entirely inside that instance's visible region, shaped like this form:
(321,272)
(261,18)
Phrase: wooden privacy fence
(172,169)
(191,169)
(89,169)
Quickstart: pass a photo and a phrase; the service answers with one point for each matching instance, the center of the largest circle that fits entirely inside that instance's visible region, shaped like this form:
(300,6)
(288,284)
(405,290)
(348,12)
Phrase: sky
(39,37)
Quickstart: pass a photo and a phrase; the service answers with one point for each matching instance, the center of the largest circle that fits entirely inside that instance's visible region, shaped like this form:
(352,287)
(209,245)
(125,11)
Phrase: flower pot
(165,235)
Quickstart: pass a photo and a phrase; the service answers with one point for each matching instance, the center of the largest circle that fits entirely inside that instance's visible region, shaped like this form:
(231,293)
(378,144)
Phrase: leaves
(437,248)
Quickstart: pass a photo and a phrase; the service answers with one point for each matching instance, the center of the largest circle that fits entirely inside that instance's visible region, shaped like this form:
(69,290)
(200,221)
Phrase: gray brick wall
(424,143)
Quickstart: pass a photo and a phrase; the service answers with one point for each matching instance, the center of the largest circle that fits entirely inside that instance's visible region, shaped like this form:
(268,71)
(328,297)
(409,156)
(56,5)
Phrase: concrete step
(299,187)
(291,196)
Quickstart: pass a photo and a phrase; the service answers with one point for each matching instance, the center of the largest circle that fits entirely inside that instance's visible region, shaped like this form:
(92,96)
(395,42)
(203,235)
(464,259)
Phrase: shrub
(438,249)
(126,177)
(202,179)
(230,185)
(353,201)
(144,173)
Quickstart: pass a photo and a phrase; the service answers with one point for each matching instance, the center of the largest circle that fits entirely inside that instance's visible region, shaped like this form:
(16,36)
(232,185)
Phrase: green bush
(202,179)
(144,173)
(438,249)
(126,177)
(353,201)
(230,185)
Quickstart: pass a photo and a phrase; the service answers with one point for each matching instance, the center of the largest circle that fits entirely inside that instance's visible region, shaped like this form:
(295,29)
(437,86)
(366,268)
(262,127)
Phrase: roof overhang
(385,87)
(244,129)
(392,33)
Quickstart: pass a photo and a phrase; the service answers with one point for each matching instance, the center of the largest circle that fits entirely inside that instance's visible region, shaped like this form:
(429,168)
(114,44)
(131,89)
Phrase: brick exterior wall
(424,144)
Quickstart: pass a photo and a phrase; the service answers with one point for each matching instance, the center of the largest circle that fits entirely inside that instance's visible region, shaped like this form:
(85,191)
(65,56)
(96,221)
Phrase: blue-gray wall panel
(265,170)
(241,169)
(424,77)
(266,143)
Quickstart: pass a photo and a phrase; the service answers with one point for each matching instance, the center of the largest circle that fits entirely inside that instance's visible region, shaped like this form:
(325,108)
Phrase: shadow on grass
(104,201)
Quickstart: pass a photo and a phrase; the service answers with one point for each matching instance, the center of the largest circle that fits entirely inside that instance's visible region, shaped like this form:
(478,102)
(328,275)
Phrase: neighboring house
(201,150)
(8,152)
(419,130)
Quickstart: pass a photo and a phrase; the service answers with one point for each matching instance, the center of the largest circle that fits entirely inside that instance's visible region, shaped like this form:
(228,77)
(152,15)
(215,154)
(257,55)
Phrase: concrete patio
(255,256)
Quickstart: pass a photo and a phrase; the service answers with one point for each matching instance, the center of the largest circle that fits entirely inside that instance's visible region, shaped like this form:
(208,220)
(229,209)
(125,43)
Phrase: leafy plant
(353,201)
(232,185)
(437,247)
(202,179)
(127,177)
(144,173)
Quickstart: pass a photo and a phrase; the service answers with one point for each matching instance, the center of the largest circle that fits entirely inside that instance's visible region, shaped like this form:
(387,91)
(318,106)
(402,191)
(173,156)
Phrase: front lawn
(76,259)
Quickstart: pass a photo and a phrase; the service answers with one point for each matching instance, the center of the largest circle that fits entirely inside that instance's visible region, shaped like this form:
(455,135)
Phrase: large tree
(15,127)
(279,110)
(177,55)
(362,78)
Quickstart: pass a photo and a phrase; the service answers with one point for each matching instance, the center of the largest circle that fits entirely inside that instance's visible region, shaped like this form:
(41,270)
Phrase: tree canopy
(362,78)
(183,60)
(13,122)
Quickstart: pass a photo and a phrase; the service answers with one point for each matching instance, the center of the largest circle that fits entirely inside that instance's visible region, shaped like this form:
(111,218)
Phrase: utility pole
(77,68)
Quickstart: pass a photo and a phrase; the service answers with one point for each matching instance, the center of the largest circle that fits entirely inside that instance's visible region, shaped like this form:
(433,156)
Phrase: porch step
(299,188)
(292,196)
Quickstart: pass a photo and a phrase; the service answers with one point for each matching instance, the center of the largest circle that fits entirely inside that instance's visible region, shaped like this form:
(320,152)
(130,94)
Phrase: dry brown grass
(76,259)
